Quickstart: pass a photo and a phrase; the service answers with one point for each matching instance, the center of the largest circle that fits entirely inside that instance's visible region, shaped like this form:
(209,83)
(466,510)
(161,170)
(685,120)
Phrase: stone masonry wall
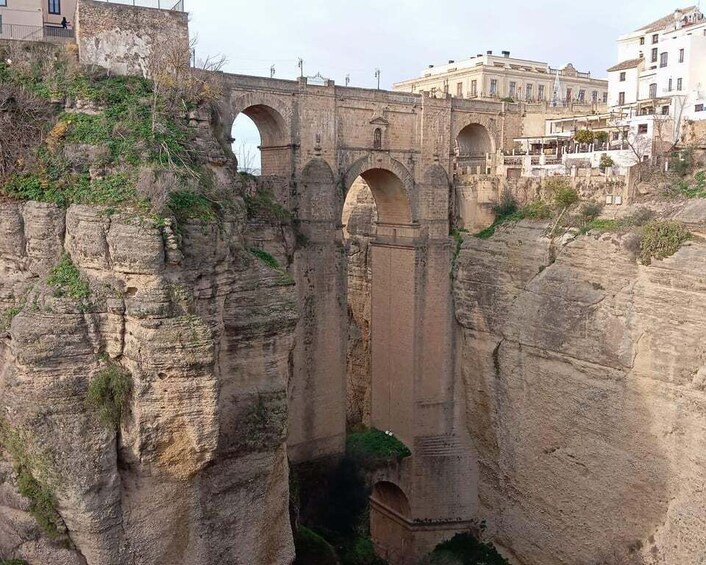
(123,38)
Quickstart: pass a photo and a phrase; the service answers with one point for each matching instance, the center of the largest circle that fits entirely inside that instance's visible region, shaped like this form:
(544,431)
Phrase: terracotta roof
(661,23)
(630,64)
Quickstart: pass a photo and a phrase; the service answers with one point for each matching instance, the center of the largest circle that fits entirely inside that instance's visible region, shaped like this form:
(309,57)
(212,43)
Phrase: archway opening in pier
(376,213)
(246,145)
(389,517)
(473,140)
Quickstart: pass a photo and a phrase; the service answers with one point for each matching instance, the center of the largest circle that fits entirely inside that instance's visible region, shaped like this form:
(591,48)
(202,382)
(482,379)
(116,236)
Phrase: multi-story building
(502,76)
(660,81)
(36,19)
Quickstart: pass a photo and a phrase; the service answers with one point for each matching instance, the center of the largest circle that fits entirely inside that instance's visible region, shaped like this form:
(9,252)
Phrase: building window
(663,59)
(446,87)
(377,139)
(605,98)
(621,98)
(3,2)
(622,77)
(528,96)
(699,108)
(594,96)
(681,55)
(679,84)
(642,41)
(669,88)
(582,95)
(55,6)
(433,91)
(655,38)
(540,92)
(513,87)
(665,110)
(474,88)
(459,90)
(653,90)
(569,93)
(654,55)
(642,128)
(493,86)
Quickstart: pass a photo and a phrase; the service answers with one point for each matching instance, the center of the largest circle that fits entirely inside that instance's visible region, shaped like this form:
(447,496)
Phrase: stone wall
(125,39)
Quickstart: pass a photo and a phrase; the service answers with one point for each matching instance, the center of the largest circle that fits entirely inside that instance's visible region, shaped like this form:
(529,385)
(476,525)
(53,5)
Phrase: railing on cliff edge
(159,4)
(36,33)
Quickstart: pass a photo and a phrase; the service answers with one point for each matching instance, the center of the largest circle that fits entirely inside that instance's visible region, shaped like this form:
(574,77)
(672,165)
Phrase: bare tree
(247,158)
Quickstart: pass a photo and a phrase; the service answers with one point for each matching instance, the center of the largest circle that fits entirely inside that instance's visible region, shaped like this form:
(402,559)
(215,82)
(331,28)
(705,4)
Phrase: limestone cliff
(585,398)
(103,283)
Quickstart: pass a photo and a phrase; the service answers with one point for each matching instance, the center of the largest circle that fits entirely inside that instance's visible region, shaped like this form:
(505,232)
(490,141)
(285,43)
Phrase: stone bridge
(316,141)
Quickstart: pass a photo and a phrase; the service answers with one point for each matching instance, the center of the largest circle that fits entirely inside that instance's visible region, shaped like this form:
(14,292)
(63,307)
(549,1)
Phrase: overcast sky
(401,37)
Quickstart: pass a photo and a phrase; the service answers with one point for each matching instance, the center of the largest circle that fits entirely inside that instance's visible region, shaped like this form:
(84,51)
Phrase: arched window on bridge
(377,138)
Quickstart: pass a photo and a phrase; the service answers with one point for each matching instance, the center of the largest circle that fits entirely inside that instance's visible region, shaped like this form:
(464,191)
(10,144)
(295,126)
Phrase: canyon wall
(585,379)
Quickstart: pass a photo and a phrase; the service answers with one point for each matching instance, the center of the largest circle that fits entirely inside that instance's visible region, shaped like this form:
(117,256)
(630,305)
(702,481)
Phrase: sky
(402,37)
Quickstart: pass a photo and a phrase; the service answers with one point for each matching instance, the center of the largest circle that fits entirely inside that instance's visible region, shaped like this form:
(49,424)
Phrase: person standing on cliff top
(65,23)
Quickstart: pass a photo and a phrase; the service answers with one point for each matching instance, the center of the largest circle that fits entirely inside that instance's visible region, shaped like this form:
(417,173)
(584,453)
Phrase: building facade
(35,19)
(660,79)
(502,76)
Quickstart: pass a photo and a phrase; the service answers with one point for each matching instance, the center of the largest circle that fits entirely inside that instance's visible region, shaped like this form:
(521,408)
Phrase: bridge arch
(392,186)
(390,515)
(273,119)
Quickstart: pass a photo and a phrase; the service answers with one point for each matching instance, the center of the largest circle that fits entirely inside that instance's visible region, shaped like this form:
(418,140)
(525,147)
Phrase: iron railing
(159,4)
(36,33)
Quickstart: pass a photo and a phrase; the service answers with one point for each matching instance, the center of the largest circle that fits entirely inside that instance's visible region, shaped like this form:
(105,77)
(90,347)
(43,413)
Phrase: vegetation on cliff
(32,472)
(85,137)
(107,394)
(373,448)
(464,549)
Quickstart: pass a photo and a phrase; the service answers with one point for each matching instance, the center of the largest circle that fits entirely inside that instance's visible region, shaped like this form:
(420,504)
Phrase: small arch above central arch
(474,140)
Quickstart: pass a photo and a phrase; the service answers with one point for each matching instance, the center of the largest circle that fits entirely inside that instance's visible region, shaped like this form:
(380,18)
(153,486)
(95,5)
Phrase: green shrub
(186,205)
(107,394)
(311,548)
(536,210)
(464,549)
(563,195)
(697,189)
(359,551)
(584,136)
(67,280)
(682,162)
(7,317)
(373,448)
(590,211)
(606,161)
(265,257)
(507,205)
(603,224)
(662,238)
(12,562)
(42,501)
(263,206)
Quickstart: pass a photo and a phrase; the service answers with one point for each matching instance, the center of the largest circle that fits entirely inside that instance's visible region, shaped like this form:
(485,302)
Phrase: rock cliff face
(206,331)
(585,383)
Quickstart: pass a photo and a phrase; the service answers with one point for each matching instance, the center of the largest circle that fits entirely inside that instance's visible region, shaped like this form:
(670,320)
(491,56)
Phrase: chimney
(506,54)
(479,55)
(431,66)
(489,52)
(451,61)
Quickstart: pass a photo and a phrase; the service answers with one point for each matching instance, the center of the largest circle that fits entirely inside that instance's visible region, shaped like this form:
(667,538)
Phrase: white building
(660,79)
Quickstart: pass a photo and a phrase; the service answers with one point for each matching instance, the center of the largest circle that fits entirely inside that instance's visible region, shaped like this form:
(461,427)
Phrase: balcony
(50,33)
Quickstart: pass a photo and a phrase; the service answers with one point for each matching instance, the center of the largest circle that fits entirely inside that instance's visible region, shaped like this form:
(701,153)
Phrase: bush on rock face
(108,393)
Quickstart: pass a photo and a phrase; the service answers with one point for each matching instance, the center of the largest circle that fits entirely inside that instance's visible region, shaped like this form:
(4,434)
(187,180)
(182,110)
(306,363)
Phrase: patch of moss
(7,317)
(265,257)
(188,205)
(107,394)
(464,549)
(373,448)
(67,280)
(312,548)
